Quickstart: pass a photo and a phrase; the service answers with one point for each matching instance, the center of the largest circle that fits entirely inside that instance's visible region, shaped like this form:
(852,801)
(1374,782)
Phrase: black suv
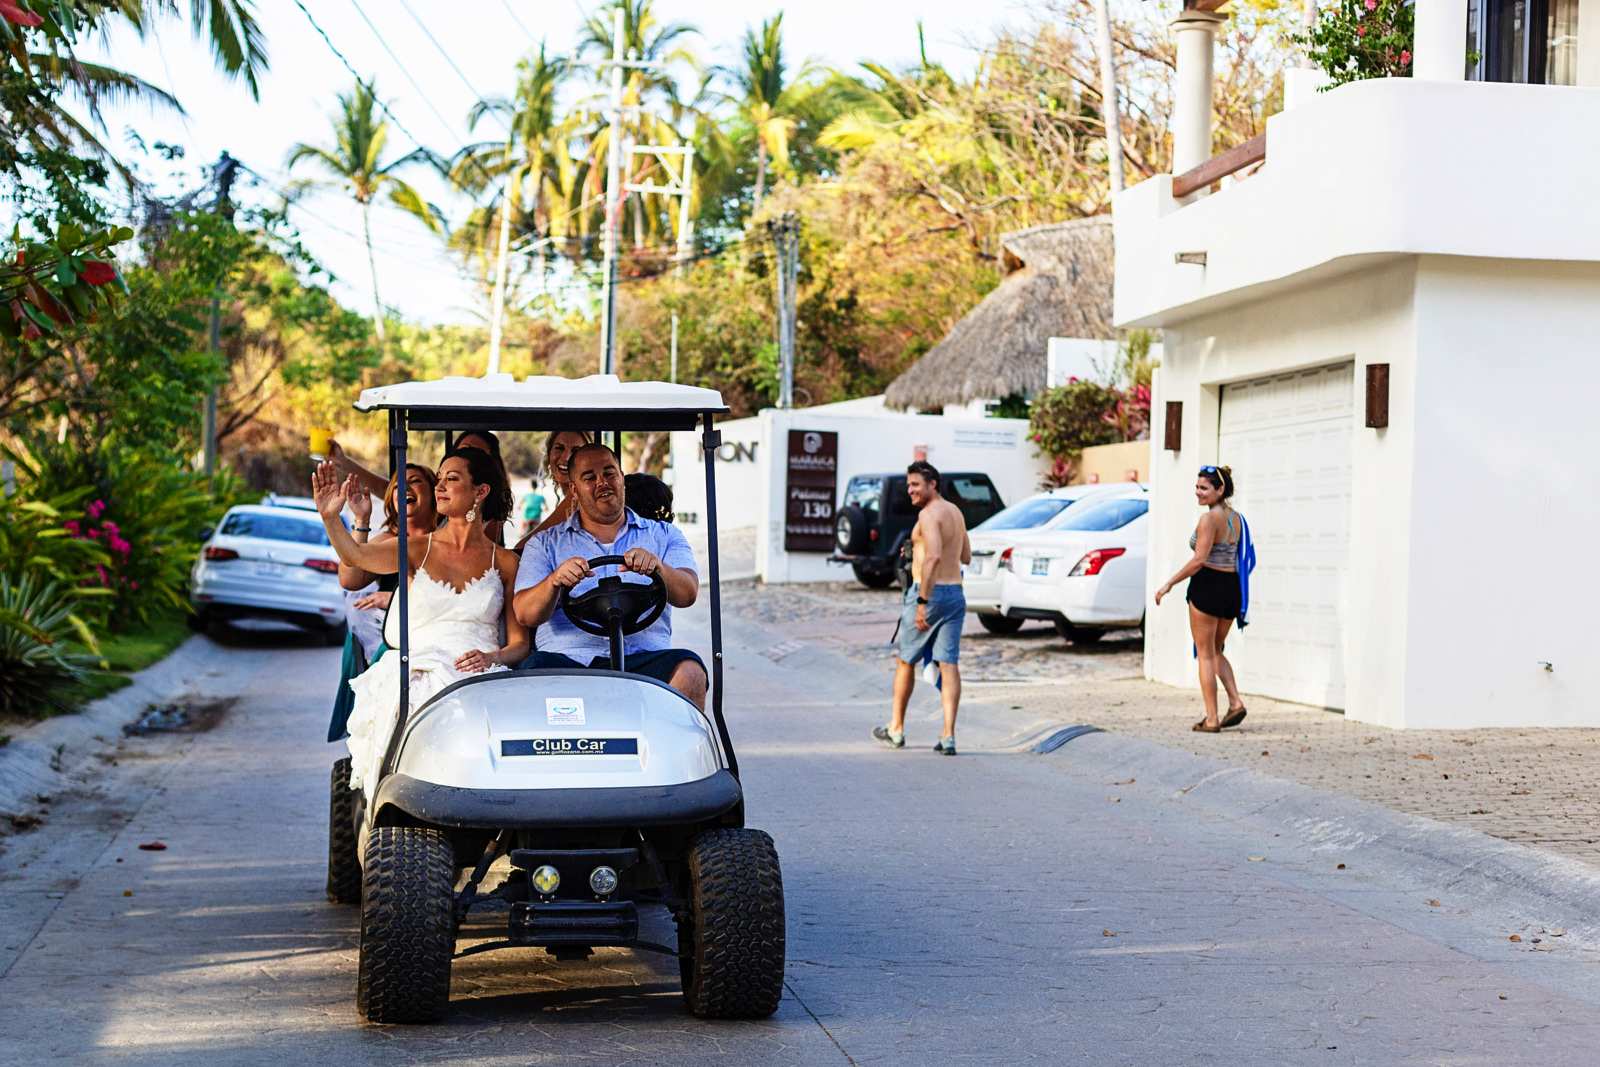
(876,517)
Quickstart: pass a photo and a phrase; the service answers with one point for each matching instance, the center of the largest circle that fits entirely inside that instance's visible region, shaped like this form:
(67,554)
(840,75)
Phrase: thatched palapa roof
(1057,284)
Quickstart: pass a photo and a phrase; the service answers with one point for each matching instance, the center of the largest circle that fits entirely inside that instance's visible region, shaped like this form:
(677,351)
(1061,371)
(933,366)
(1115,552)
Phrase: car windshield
(1027,514)
(1107,515)
(286,526)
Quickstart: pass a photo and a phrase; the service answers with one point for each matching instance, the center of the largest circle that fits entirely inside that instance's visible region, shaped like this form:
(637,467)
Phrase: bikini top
(1224,554)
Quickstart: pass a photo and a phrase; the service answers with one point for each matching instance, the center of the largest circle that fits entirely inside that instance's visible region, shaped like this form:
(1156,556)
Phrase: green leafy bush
(1357,39)
(41,673)
(142,513)
(35,538)
(1069,418)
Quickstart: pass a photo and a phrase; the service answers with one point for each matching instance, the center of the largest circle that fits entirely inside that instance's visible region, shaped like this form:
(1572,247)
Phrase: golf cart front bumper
(687,803)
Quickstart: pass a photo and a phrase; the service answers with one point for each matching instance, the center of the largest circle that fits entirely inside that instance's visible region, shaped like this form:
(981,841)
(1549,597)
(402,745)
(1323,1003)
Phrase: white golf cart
(603,790)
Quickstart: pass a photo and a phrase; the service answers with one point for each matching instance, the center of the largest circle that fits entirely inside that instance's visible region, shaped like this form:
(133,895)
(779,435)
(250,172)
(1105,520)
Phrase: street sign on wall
(810,491)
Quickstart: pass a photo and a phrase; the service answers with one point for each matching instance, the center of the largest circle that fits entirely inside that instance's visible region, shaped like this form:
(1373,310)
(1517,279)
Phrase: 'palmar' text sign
(809,491)
(570,746)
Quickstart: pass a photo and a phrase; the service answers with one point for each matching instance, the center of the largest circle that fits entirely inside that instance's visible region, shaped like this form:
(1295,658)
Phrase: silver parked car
(267,562)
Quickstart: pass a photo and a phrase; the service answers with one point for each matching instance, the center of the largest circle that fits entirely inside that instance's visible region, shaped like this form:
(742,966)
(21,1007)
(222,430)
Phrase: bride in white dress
(460,596)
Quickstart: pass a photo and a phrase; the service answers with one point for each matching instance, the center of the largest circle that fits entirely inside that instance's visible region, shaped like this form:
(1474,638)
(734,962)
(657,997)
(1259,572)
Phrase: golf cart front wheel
(344,862)
(407,926)
(732,939)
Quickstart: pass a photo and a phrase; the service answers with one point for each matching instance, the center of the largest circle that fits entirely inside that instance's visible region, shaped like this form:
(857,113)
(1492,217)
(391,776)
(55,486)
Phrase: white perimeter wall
(871,440)
(1365,317)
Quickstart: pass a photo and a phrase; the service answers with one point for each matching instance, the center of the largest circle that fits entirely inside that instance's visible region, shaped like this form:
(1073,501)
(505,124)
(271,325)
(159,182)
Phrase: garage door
(1288,440)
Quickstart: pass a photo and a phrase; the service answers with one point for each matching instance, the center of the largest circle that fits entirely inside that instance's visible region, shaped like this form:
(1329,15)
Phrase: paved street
(994,908)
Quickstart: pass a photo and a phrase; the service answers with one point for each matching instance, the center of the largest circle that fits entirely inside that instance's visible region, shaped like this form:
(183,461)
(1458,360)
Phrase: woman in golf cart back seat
(460,592)
(496,509)
(604,526)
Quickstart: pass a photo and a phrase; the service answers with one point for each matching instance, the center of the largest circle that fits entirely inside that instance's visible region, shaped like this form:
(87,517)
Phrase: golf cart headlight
(546,879)
(603,880)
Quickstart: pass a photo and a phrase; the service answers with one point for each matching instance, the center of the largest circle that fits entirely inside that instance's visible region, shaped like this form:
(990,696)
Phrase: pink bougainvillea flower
(111,528)
(1405,55)
(1372,5)
(97,273)
(95,509)
(1361,31)
(134,584)
(12,13)
(71,528)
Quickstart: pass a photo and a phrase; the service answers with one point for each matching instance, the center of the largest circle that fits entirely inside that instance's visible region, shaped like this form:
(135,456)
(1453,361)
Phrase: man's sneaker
(892,738)
(946,746)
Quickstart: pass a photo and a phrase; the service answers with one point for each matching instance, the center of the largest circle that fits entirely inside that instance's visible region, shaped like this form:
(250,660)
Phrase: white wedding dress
(445,625)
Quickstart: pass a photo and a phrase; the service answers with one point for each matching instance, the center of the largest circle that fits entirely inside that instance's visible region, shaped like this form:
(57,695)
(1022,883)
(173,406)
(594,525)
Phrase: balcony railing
(1220,166)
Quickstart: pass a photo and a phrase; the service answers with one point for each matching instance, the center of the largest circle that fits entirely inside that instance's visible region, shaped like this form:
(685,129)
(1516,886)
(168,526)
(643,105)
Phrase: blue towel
(1247,563)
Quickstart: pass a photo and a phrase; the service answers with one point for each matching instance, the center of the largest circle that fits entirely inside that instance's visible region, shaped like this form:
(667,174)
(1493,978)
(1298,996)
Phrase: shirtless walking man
(935,606)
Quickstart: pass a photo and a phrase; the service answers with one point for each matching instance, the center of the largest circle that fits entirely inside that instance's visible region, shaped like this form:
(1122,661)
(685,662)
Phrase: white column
(1441,41)
(1589,42)
(1192,112)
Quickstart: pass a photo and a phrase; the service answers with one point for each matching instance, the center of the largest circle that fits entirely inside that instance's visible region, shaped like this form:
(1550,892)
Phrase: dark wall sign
(811,490)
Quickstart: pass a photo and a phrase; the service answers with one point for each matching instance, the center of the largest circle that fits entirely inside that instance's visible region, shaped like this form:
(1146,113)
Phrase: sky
(430,100)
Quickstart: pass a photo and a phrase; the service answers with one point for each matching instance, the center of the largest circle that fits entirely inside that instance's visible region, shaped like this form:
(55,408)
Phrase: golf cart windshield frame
(455,421)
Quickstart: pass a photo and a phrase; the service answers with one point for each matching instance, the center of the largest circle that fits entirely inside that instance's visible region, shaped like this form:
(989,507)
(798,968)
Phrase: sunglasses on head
(1208,470)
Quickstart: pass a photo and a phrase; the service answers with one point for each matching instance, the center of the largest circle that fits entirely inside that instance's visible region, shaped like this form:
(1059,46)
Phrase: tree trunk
(372,263)
(761,173)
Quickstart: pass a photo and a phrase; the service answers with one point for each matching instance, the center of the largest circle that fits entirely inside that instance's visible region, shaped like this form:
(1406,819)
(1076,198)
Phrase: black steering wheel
(615,608)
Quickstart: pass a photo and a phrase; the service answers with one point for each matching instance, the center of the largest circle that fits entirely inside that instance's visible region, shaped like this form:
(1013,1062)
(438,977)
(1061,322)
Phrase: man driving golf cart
(557,559)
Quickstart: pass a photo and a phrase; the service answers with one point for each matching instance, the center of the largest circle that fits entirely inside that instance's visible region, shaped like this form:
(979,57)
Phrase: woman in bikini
(460,596)
(1214,594)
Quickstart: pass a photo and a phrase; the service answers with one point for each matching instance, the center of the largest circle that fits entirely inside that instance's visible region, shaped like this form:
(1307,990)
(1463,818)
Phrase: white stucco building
(1419,252)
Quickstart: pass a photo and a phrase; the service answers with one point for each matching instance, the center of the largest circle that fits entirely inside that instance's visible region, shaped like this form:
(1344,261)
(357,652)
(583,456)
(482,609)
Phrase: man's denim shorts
(947,610)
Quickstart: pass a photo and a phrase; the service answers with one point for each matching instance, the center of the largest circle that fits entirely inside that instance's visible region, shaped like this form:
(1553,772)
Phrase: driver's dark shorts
(658,664)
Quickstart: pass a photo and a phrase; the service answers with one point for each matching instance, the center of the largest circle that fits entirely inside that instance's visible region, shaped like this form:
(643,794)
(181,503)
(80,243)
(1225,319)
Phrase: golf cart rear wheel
(407,926)
(344,862)
(732,940)
(999,624)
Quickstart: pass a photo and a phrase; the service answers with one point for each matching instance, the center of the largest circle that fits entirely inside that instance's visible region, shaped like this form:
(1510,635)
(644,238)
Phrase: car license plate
(269,570)
(570,746)
(1041,565)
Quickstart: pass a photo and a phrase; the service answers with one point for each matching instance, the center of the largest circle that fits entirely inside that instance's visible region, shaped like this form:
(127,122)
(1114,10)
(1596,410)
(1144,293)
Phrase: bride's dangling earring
(472,513)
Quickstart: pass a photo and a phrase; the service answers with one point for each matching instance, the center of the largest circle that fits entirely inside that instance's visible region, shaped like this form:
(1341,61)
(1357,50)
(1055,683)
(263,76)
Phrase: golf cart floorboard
(683,804)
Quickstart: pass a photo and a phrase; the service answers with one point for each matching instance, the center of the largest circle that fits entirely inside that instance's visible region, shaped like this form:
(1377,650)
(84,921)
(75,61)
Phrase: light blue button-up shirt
(547,551)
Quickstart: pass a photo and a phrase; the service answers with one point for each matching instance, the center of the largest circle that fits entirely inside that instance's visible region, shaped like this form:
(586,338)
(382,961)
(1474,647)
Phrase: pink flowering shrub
(1357,39)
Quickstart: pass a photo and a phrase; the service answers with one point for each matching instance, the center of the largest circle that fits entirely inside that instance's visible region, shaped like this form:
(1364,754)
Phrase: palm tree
(355,164)
(768,98)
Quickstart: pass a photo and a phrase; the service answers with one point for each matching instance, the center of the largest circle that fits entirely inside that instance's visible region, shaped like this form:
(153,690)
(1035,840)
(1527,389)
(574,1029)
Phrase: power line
(426,98)
(429,34)
(518,21)
(359,79)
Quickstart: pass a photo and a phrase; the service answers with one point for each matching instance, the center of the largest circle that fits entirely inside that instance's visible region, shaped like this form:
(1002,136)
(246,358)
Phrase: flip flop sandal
(1201,727)
(1233,718)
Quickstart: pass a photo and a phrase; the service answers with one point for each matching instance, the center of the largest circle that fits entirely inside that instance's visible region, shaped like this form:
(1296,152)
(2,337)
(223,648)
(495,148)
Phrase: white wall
(871,440)
(1504,522)
(1382,167)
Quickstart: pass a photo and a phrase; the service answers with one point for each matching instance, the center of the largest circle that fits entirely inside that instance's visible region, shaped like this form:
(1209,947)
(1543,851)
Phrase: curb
(37,761)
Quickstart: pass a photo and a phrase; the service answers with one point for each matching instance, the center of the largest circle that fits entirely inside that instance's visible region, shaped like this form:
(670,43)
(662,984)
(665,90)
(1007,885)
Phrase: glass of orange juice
(320,436)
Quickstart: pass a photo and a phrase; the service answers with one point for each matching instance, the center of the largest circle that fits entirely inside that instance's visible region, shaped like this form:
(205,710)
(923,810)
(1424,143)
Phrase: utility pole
(1110,107)
(224,206)
(498,304)
(680,185)
(614,192)
(674,378)
(786,242)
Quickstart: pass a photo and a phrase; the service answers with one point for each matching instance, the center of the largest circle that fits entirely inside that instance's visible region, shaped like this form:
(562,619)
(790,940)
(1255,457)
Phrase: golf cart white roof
(540,392)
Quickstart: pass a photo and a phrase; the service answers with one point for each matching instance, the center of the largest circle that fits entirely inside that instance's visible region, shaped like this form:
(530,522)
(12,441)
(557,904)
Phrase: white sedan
(1085,573)
(992,541)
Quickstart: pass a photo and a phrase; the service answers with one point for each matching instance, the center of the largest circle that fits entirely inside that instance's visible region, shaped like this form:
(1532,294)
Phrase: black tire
(872,579)
(733,937)
(344,862)
(999,624)
(198,621)
(850,531)
(335,635)
(1078,635)
(407,926)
